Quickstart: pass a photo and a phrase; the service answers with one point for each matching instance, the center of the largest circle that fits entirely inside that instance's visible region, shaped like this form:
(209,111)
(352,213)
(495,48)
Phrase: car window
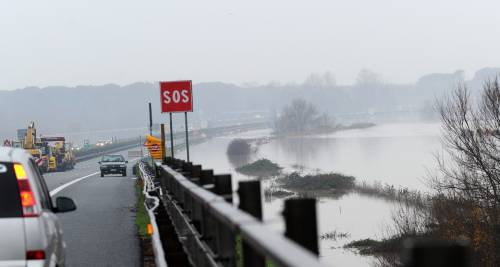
(45,199)
(113,158)
(10,202)
(45,188)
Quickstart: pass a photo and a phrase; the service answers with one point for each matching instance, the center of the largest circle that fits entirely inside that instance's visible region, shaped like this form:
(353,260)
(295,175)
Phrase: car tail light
(26,194)
(35,255)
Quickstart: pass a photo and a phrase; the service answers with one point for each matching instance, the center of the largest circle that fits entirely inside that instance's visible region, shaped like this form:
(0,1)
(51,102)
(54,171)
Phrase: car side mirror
(99,162)
(64,204)
(126,161)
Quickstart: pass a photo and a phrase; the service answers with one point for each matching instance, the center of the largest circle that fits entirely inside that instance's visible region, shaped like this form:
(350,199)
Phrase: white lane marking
(60,188)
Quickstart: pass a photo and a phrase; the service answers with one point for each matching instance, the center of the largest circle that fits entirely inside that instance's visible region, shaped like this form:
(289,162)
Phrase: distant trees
(367,78)
(325,80)
(302,117)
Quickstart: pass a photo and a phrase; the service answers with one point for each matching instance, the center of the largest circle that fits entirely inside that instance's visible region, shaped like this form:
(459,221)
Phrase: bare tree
(468,203)
(472,139)
(301,117)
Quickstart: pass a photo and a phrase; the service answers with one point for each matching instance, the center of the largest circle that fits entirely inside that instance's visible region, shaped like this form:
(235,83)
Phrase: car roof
(10,154)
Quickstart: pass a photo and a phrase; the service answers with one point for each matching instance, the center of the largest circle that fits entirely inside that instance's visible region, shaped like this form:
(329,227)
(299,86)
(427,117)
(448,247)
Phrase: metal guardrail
(209,226)
(213,232)
(154,202)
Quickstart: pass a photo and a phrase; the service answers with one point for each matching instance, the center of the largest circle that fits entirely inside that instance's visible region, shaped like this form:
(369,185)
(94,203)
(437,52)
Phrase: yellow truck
(50,153)
(61,158)
(28,141)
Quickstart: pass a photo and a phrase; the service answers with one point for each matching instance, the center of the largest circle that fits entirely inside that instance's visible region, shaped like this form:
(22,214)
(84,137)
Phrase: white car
(30,234)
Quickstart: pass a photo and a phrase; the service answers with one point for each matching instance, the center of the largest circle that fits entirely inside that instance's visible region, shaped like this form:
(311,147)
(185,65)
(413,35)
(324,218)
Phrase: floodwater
(396,154)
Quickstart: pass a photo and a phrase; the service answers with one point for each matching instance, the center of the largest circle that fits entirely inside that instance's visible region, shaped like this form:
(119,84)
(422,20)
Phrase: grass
(334,235)
(325,182)
(375,247)
(239,254)
(141,217)
(260,168)
(271,193)
(392,193)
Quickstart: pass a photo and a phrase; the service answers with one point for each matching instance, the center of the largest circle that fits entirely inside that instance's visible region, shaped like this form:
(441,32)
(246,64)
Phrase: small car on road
(30,233)
(113,164)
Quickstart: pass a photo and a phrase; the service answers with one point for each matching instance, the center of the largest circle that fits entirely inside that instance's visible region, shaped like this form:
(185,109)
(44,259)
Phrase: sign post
(171,137)
(187,135)
(162,137)
(177,96)
(150,120)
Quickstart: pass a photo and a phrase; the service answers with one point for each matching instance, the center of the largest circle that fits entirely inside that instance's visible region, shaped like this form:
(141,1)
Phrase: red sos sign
(176,96)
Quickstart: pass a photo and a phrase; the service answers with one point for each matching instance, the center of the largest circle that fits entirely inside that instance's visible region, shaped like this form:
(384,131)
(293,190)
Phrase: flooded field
(396,154)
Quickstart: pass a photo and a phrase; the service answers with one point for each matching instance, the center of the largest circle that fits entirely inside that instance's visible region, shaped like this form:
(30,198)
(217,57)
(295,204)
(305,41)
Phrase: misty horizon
(95,42)
(480,74)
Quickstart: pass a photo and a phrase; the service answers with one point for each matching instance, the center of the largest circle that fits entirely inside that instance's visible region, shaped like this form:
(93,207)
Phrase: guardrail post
(223,186)
(436,253)
(225,238)
(157,171)
(134,169)
(300,222)
(195,174)
(167,161)
(177,164)
(206,177)
(251,202)
(187,168)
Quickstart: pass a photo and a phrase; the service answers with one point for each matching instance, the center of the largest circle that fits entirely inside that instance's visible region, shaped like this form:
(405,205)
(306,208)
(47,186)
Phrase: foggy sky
(115,41)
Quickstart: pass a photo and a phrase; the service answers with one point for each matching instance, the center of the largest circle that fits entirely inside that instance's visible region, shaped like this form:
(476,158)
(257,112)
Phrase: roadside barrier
(152,203)
(214,232)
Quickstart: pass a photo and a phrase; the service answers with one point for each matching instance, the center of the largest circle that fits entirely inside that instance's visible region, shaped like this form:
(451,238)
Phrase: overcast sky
(96,42)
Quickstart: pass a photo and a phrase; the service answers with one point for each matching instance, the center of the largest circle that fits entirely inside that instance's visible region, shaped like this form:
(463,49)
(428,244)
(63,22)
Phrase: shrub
(239,147)
(318,182)
(260,168)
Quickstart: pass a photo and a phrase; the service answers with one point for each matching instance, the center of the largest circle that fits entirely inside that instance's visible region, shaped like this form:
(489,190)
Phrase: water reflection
(379,155)
(299,150)
(397,154)
(239,160)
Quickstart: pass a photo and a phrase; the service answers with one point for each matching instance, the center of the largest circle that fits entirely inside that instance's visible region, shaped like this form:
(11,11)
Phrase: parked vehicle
(113,164)
(30,234)
(50,153)
(62,157)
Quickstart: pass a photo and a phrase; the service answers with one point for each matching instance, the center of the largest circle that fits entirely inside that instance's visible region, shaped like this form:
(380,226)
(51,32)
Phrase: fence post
(223,186)
(206,177)
(225,237)
(436,253)
(251,202)
(187,168)
(196,172)
(167,161)
(300,222)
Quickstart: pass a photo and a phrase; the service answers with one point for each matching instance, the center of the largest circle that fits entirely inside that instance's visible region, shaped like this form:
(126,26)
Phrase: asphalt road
(102,231)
